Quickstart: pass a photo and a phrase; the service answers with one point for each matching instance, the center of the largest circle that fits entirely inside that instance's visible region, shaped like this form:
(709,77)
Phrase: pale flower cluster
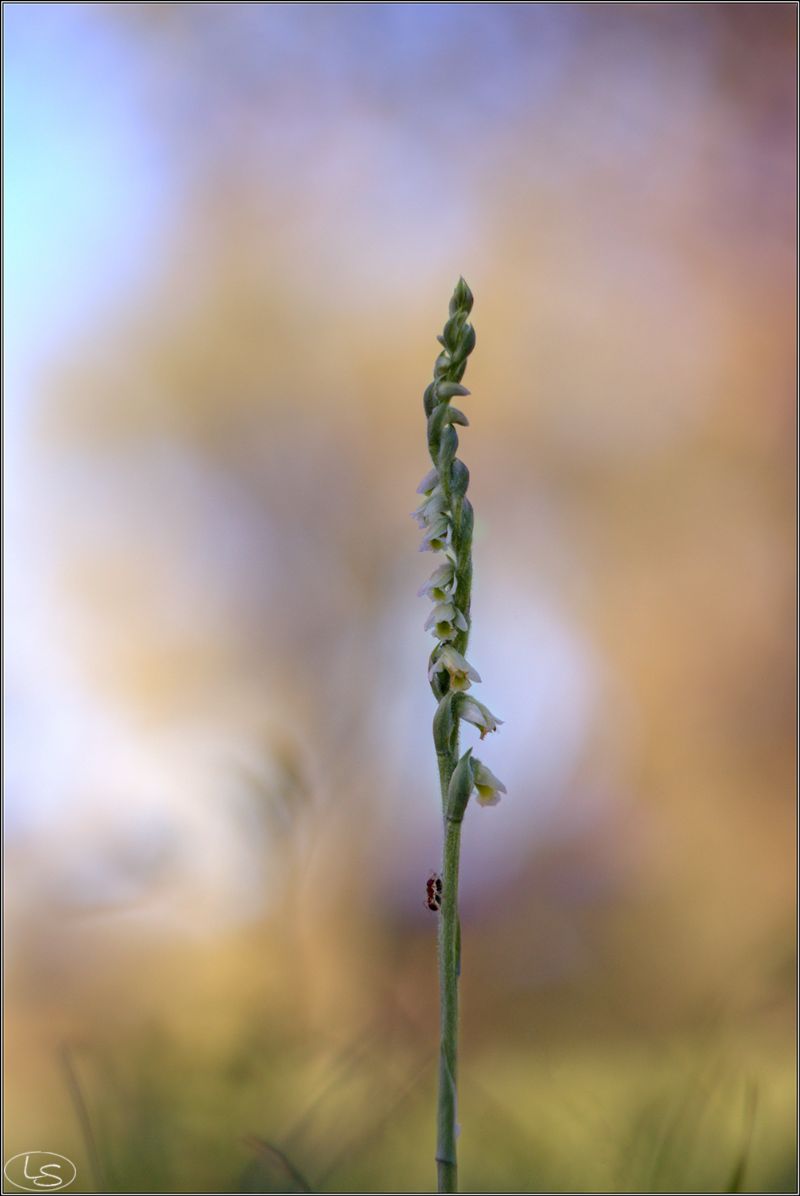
(446,620)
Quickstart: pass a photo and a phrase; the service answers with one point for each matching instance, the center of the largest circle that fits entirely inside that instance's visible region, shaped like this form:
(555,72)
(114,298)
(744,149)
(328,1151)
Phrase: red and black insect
(433,888)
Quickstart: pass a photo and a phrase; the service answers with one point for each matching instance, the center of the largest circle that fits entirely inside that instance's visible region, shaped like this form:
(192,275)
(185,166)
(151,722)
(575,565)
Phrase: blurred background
(231,235)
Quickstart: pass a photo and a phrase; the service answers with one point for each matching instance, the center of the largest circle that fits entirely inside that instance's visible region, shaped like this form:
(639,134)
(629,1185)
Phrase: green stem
(446,764)
(446,1159)
(450,930)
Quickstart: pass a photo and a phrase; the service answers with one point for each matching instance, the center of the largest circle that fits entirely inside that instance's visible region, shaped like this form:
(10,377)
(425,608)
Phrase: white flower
(428,482)
(437,537)
(479,715)
(434,505)
(488,786)
(445,620)
(437,585)
(462,674)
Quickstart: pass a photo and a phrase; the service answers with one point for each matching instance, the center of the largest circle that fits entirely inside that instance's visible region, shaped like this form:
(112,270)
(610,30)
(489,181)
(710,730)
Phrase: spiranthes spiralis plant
(445,515)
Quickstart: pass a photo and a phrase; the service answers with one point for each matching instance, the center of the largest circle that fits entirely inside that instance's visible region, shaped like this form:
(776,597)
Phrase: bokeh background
(231,232)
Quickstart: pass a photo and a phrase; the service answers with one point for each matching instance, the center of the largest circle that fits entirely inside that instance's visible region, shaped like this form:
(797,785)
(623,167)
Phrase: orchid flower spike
(445,516)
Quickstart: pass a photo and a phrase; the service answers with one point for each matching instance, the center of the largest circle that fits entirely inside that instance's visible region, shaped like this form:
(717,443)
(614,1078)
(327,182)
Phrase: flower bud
(429,399)
(459,479)
(457,370)
(441,365)
(436,421)
(451,334)
(446,390)
(462,299)
(454,416)
(465,345)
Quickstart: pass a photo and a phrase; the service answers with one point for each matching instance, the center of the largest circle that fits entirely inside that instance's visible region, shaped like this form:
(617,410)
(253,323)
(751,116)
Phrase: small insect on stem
(433,890)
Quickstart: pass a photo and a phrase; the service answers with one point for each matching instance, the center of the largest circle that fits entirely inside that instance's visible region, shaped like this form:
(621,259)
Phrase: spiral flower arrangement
(445,515)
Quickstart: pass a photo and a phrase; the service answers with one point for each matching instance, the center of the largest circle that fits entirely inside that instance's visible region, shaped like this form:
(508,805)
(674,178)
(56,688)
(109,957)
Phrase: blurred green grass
(684,1113)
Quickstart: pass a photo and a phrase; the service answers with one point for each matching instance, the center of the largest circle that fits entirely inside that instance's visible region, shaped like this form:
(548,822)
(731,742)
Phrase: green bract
(462,782)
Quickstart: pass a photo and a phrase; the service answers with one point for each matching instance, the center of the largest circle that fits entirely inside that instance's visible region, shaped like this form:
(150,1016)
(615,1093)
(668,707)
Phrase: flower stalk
(445,516)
